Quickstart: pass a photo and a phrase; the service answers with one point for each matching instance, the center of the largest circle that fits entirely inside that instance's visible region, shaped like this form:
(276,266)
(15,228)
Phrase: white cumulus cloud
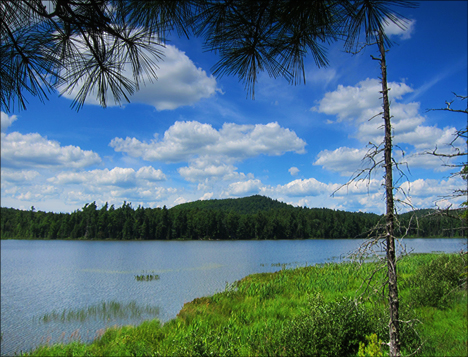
(343,160)
(35,151)
(6,120)
(201,170)
(307,187)
(404,32)
(18,176)
(179,83)
(185,140)
(211,153)
(293,171)
(360,102)
(149,173)
(357,104)
(118,176)
(431,193)
(206,196)
(244,187)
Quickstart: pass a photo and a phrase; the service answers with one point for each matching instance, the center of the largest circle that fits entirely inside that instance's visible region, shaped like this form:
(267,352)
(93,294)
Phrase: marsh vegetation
(328,310)
(110,310)
(147,276)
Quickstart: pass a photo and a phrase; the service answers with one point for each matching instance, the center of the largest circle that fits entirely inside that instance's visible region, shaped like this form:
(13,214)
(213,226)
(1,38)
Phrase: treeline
(270,220)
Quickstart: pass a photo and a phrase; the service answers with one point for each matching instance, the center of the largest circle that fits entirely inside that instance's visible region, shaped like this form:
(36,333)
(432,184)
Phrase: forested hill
(255,217)
(245,205)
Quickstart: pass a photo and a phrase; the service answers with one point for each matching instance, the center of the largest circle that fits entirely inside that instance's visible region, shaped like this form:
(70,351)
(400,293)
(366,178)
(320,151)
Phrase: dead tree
(393,300)
(374,156)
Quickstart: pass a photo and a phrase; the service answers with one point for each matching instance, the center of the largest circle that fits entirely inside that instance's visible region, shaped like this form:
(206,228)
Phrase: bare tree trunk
(394,327)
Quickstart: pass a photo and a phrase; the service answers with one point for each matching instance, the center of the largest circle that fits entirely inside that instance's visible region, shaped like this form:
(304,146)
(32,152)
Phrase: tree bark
(394,326)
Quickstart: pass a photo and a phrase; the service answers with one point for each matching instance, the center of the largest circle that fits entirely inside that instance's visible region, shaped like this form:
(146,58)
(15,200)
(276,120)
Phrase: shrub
(434,283)
(373,347)
(410,339)
(328,329)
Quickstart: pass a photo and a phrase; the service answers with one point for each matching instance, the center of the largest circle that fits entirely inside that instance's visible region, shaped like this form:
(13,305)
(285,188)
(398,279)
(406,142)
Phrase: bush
(410,339)
(328,329)
(434,283)
(373,347)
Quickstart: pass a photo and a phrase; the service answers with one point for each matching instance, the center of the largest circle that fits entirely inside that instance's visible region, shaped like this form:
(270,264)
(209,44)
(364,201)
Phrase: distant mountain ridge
(245,205)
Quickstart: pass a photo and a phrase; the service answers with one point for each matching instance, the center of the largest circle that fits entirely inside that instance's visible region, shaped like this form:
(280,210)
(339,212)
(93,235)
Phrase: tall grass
(104,311)
(328,309)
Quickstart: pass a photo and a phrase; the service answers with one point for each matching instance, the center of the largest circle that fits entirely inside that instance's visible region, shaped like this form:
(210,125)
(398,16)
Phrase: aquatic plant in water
(103,311)
(145,276)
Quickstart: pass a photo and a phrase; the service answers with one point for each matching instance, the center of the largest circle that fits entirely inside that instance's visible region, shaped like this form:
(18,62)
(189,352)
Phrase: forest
(255,217)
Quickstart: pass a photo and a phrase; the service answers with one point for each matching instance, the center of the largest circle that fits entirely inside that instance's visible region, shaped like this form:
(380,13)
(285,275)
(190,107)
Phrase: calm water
(39,277)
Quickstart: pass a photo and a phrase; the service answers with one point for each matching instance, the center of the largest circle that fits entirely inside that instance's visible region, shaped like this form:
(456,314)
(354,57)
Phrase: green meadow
(333,309)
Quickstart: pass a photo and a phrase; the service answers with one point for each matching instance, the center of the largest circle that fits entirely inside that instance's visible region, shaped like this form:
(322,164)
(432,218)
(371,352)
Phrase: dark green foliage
(328,329)
(435,283)
(245,205)
(410,339)
(255,217)
(429,223)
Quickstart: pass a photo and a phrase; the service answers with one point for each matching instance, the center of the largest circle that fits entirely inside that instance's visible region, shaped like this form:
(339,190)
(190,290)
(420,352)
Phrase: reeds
(282,265)
(104,311)
(147,276)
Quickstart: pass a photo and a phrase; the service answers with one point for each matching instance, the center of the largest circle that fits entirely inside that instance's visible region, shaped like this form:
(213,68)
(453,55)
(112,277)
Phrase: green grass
(323,310)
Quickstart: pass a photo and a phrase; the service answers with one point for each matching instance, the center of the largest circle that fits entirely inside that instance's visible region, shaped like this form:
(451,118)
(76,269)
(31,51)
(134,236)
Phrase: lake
(58,290)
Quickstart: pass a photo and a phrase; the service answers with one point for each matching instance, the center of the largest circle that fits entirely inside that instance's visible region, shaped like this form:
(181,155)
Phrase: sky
(191,136)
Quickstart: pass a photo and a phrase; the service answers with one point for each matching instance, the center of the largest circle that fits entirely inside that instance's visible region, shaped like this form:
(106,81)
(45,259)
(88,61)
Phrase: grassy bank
(325,310)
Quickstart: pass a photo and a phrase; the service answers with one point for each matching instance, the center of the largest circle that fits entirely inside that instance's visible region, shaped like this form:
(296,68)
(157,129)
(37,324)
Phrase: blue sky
(191,136)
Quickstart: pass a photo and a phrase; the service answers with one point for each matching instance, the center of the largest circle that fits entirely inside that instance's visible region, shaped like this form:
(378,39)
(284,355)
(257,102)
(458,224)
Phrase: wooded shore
(255,217)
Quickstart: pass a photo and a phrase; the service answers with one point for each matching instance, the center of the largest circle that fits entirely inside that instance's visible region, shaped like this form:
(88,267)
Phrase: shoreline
(225,321)
(209,240)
